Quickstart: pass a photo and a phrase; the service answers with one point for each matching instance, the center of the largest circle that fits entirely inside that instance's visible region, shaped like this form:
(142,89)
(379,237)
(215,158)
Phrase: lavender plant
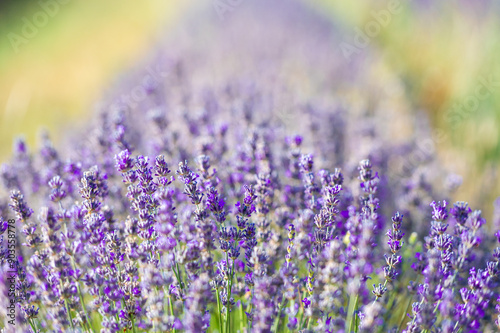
(273,221)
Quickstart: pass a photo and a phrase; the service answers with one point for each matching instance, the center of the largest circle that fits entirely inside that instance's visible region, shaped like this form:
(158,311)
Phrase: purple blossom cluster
(205,208)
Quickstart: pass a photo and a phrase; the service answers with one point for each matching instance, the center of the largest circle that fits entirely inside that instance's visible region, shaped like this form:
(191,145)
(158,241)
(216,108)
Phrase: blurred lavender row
(234,185)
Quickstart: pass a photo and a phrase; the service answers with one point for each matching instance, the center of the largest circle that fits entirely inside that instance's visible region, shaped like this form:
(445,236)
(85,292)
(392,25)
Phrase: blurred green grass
(441,50)
(56,78)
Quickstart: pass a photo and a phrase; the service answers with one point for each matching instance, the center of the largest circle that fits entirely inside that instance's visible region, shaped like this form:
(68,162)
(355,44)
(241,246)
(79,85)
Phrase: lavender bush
(243,193)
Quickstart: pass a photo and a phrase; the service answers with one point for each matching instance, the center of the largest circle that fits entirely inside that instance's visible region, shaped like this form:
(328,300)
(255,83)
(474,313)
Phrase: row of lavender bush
(199,207)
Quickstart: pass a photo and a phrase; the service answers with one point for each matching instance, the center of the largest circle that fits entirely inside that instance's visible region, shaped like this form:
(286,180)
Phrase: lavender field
(248,176)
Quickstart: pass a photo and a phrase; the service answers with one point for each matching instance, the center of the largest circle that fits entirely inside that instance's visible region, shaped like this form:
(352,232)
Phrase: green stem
(250,308)
(241,317)
(309,322)
(116,315)
(403,317)
(219,314)
(78,287)
(177,273)
(88,322)
(282,305)
(133,323)
(65,300)
(171,308)
(179,276)
(69,314)
(32,326)
(229,289)
(352,310)
(301,317)
(100,296)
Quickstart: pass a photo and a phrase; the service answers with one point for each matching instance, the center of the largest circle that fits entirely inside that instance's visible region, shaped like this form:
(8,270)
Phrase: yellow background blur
(58,76)
(442,50)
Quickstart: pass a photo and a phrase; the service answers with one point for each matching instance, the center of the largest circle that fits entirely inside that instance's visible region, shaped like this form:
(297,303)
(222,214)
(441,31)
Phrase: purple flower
(216,205)
(307,303)
(124,162)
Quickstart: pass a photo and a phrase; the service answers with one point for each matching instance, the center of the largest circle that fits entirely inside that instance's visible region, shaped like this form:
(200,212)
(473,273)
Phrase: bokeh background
(442,51)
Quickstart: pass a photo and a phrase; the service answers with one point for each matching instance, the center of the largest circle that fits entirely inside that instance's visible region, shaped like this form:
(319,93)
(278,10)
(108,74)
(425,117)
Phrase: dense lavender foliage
(243,192)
